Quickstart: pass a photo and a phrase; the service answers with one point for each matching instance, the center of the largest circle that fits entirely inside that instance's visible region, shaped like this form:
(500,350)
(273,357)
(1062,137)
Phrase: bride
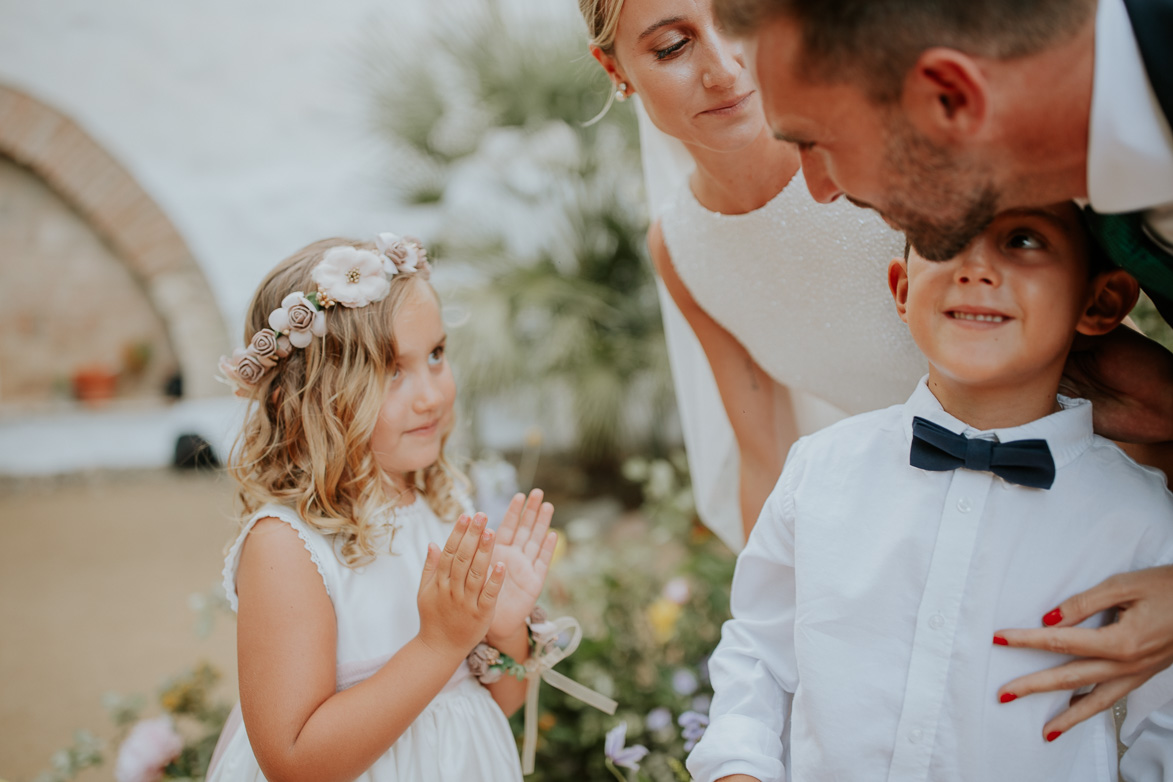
(788,301)
(788,298)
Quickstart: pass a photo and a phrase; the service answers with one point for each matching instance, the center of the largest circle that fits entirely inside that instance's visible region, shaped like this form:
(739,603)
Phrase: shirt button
(936,621)
(965,505)
(916,735)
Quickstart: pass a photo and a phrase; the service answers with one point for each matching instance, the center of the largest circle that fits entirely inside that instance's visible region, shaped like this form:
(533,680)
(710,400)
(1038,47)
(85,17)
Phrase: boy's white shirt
(866,600)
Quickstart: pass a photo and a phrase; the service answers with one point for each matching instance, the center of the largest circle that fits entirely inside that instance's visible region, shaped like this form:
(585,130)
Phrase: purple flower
(684,681)
(625,757)
(658,719)
(693,724)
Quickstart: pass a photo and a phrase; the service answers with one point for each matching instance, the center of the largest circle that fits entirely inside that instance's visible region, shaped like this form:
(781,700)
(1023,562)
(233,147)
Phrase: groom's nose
(822,188)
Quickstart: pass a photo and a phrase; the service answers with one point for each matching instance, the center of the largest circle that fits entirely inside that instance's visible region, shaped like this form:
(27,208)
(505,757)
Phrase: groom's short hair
(874,43)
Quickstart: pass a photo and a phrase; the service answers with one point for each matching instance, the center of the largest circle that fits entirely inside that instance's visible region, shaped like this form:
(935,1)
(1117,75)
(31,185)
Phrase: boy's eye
(436,357)
(671,49)
(1024,241)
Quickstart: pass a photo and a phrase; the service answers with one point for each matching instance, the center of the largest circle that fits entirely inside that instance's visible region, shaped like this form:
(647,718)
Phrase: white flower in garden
(298,319)
(658,719)
(150,746)
(677,590)
(626,757)
(351,277)
(693,725)
(684,681)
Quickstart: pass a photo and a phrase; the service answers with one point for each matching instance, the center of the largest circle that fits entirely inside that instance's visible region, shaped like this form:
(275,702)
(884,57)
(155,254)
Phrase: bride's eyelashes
(670,50)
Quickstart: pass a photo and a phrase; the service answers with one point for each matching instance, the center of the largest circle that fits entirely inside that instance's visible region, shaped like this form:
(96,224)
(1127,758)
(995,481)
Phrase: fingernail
(1001,641)
(1054,735)
(487,535)
(479,519)
(1053,618)
(1007,697)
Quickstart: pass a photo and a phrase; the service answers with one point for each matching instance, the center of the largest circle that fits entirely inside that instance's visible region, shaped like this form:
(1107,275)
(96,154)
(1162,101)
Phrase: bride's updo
(602,20)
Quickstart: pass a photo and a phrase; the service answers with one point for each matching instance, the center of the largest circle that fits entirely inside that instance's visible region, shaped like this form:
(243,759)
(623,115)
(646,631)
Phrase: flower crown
(346,275)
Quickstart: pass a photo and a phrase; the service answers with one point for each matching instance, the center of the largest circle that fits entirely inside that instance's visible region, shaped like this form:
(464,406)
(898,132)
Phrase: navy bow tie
(1025,462)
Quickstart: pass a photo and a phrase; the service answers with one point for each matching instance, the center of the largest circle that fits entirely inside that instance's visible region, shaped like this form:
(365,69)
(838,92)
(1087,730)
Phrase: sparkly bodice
(803,286)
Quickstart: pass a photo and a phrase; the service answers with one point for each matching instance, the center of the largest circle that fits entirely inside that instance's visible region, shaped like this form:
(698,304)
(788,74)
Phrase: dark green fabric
(1128,245)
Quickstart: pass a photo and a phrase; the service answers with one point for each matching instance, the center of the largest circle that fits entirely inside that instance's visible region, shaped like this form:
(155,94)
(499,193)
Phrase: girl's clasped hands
(483,584)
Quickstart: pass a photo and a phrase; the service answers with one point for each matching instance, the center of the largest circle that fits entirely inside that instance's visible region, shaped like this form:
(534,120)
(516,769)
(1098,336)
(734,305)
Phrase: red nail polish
(1053,618)
(1054,735)
(1001,641)
(1007,697)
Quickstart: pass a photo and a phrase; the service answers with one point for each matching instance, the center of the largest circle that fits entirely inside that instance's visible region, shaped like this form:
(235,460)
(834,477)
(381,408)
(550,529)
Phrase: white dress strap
(313,540)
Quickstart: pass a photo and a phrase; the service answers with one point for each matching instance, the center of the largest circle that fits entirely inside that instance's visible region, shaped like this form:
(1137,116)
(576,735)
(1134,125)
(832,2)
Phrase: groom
(941,113)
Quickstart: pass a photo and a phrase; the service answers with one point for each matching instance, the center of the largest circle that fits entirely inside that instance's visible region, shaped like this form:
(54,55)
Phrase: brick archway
(104,193)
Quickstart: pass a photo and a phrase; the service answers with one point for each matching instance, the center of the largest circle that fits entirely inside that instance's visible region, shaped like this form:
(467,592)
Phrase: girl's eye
(395,373)
(662,54)
(436,357)
(1024,241)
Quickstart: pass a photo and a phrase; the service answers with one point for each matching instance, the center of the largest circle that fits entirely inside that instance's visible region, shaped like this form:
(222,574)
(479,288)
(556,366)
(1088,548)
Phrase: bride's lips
(728,106)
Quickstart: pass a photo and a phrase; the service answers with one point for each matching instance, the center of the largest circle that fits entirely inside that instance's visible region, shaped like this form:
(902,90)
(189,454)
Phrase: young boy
(897,542)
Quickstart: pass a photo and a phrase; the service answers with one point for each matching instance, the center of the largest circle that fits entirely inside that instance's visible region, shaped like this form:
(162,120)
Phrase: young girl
(353,623)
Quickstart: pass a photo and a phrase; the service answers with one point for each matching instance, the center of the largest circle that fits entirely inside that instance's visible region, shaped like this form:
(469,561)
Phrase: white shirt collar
(1068,432)
(1130,144)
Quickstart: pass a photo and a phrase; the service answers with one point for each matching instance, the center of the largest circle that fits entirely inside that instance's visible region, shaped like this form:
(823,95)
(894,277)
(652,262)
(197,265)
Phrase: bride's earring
(621,92)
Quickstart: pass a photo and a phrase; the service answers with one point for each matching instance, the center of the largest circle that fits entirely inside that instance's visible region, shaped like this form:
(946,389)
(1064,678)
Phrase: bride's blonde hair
(602,20)
(306,438)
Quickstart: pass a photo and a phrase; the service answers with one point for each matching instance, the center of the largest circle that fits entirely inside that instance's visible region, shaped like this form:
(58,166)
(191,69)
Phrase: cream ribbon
(540,666)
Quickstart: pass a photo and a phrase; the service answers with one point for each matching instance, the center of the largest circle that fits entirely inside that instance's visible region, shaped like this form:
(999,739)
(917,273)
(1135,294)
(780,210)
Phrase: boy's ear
(1114,294)
(898,284)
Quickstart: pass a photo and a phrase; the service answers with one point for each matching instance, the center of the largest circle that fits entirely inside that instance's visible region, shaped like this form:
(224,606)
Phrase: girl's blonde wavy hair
(306,438)
(602,20)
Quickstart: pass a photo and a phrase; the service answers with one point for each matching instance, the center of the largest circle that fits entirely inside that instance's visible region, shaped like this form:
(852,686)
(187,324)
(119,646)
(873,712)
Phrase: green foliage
(560,299)
(1151,322)
(651,597)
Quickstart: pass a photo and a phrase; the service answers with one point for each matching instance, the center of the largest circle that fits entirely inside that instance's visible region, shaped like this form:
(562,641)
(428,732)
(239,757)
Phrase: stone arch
(105,194)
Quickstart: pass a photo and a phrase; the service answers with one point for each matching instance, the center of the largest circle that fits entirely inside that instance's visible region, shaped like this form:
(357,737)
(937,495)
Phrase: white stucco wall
(245,121)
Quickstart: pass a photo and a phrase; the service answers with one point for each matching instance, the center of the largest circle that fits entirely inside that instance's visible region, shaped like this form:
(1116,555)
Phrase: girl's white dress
(462,734)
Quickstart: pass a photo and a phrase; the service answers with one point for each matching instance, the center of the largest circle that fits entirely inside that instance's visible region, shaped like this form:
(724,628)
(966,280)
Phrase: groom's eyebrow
(662,23)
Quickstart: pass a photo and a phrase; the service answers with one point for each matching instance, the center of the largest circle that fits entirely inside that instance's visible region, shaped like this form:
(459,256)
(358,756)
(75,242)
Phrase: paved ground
(95,578)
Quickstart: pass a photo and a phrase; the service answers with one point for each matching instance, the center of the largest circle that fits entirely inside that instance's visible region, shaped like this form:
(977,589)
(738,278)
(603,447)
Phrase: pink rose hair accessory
(349,276)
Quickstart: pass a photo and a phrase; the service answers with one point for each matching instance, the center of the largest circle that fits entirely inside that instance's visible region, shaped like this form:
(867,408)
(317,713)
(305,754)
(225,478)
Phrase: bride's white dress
(803,286)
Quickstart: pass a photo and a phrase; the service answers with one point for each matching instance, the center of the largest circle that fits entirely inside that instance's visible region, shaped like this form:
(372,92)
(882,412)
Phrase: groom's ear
(946,95)
(898,284)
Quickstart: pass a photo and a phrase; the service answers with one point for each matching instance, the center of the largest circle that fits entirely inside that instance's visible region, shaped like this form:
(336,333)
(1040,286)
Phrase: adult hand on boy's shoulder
(1129,380)
(1116,658)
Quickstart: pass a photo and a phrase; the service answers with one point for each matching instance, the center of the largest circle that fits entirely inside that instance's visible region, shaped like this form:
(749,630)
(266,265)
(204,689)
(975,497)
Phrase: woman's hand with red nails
(1116,658)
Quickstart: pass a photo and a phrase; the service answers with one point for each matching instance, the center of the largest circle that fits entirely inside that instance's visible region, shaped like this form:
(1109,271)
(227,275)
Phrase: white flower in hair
(351,277)
(299,319)
(400,254)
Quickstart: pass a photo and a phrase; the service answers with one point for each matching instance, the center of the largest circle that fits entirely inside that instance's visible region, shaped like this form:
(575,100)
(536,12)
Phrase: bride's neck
(744,180)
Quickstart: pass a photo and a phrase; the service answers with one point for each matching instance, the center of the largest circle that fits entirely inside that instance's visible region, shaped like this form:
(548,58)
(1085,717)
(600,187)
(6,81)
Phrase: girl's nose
(428,396)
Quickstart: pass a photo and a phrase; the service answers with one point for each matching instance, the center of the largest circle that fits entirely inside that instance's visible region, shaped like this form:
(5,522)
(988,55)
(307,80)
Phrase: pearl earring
(621,92)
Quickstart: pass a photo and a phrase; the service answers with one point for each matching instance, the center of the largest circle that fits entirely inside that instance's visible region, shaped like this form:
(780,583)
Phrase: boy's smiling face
(1003,313)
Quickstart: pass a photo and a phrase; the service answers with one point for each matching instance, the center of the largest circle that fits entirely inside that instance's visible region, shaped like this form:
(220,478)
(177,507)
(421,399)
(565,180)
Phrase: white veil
(708,436)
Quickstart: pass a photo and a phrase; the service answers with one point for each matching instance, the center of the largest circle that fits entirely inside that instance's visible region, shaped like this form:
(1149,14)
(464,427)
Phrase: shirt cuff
(735,744)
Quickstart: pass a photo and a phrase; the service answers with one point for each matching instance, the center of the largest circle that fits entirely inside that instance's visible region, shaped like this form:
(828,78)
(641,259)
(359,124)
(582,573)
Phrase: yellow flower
(547,721)
(662,615)
(559,549)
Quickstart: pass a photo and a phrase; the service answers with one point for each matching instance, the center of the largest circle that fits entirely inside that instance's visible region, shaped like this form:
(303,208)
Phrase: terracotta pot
(94,384)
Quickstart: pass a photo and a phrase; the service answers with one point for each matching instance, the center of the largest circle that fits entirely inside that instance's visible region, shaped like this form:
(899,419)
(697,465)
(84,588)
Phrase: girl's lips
(977,316)
(425,430)
(730,107)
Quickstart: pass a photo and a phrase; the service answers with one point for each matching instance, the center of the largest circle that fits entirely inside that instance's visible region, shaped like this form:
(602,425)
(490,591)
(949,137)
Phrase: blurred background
(156,160)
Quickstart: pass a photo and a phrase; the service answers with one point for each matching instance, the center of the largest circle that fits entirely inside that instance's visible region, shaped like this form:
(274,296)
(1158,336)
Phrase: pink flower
(264,347)
(298,320)
(403,254)
(351,277)
(150,746)
(480,662)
